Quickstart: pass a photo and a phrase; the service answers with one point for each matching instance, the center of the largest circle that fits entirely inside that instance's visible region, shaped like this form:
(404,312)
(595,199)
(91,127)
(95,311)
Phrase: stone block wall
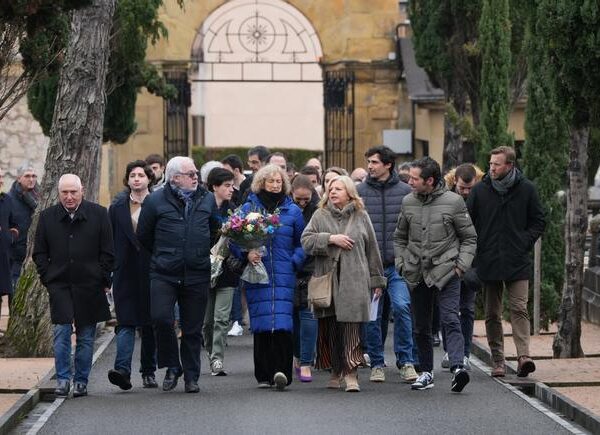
(21,140)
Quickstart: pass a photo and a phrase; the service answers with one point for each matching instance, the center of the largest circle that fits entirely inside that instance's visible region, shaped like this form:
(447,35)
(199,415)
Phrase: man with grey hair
(74,255)
(206,168)
(175,225)
(25,196)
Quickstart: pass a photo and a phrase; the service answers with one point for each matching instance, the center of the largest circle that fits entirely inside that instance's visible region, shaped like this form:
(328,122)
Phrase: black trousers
(273,352)
(192,303)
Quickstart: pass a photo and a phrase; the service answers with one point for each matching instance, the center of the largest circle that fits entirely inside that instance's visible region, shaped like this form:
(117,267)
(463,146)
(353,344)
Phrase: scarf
(271,200)
(30,197)
(187,196)
(503,184)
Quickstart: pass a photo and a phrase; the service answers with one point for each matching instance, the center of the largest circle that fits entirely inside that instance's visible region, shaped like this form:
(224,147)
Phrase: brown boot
(334,381)
(351,380)
(498,369)
(525,366)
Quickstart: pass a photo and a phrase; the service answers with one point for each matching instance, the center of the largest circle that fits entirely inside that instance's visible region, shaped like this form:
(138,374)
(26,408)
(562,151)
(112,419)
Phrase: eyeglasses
(190,174)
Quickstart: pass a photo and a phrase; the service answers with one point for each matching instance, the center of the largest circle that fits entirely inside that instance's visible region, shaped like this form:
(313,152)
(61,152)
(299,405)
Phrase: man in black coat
(74,256)
(24,194)
(8,234)
(175,226)
(131,280)
(508,217)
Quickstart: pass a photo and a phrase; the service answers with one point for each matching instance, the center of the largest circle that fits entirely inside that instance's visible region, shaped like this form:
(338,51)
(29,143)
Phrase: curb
(547,395)
(15,414)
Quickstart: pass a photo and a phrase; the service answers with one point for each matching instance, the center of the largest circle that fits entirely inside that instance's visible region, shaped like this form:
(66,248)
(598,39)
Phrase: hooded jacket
(271,305)
(433,236)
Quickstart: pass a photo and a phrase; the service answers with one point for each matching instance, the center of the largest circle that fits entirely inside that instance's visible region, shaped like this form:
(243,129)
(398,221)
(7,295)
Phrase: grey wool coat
(360,269)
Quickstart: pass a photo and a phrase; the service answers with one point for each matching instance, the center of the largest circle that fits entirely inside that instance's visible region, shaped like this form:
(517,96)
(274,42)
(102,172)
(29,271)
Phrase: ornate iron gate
(339,119)
(176,140)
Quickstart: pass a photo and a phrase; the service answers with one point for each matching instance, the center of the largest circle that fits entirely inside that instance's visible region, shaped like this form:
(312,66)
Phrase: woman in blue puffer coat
(271,306)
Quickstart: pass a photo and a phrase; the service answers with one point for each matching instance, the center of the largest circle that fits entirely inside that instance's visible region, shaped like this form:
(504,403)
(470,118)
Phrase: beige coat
(360,269)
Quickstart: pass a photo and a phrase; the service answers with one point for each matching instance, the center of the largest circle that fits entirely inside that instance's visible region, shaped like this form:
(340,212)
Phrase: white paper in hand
(374,308)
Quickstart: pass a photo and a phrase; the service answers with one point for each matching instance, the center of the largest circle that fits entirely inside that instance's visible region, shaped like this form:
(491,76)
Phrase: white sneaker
(446,361)
(280,381)
(236,330)
(216,368)
(466,363)
(367,360)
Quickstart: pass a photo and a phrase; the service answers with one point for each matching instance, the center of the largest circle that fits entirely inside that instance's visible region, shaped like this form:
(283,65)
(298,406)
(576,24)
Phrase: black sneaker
(149,381)
(62,388)
(459,380)
(79,390)
(423,382)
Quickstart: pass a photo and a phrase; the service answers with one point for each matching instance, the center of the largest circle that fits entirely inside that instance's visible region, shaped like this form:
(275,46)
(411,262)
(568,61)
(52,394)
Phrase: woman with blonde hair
(341,227)
(271,305)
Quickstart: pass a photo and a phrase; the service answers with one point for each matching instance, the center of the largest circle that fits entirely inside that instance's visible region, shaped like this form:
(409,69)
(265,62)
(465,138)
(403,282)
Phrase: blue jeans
(236,306)
(405,352)
(306,328)
(371,337)
(403,340)
(467,317)
(125,345)
(84,352)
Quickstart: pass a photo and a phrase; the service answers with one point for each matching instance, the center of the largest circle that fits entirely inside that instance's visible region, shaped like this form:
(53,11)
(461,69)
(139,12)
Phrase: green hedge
(297,156)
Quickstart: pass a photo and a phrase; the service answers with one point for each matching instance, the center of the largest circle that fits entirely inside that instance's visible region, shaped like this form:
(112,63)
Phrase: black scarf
(271,200)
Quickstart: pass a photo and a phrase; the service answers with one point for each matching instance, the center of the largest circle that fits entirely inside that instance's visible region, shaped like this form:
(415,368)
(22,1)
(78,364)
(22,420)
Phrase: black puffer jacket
(180,245)
(507,227)
(383,202)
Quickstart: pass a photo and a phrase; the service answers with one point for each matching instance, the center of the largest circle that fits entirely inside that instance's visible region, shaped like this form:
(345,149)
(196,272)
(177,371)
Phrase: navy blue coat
(180,245)
(271,305)
(383,202)
(6,240)
(131,277)
(23,209)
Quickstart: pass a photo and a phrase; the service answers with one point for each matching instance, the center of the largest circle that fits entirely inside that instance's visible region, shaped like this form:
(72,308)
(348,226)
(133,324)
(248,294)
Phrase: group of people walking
(404,240)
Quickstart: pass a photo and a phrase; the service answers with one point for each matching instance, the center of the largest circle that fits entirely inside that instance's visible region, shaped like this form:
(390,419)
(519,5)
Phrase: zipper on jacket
(272,285)
(384,229)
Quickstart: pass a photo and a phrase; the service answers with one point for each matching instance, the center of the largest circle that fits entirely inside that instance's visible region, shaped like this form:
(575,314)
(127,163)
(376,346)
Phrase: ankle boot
(351,380)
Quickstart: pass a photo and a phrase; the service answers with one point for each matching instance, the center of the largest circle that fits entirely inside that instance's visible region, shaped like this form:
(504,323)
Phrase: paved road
(233,404)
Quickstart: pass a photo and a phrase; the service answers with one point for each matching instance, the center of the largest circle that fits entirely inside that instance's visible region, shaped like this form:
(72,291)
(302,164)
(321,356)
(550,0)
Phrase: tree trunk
(453,134)
(75,140)
(567,343)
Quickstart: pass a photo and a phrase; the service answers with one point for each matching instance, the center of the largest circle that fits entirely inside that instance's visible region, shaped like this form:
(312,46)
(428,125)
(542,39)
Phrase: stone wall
(21,140)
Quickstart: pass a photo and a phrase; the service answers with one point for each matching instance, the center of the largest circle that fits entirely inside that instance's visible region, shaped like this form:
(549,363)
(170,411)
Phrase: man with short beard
(509,218)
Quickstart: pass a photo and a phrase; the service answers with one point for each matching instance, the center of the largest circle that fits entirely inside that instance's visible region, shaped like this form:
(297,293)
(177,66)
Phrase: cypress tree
(545,163)
(495,40)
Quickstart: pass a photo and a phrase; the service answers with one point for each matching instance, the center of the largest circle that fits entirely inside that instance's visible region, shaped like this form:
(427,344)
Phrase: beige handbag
(320,288)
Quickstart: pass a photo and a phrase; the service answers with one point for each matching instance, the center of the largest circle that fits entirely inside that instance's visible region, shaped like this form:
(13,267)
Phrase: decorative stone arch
(256,40)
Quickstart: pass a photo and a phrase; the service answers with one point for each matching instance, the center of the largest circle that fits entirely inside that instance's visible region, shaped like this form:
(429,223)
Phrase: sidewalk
(577,380)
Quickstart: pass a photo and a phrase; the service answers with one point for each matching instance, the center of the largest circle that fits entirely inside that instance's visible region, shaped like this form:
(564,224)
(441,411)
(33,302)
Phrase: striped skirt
(338,346)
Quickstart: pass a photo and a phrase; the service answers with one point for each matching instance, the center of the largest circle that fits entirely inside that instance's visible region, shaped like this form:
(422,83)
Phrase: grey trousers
(518,294)
(216,321)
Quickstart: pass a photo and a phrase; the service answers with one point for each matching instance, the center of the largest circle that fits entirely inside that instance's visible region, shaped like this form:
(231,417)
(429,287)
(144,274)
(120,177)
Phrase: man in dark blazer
(74,256)
(175,225)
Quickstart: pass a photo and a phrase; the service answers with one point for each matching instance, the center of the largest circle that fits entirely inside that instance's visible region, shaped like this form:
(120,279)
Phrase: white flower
(253,216)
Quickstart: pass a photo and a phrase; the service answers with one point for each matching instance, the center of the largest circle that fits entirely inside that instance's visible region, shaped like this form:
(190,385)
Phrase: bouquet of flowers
(249,231)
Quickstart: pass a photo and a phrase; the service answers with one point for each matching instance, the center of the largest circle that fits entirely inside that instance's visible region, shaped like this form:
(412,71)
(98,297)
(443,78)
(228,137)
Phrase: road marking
(535,403)
(57,402)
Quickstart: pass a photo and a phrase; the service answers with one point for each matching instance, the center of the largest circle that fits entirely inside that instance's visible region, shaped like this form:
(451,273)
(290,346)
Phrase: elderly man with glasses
(175,225)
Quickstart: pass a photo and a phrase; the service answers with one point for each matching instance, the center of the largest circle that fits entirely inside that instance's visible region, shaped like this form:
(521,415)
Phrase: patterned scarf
(187,196)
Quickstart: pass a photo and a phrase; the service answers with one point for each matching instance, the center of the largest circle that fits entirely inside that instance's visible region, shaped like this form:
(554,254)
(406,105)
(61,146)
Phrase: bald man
(74,256)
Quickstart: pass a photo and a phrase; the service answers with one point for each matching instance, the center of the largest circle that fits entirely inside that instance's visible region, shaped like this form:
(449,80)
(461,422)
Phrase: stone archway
(256,77)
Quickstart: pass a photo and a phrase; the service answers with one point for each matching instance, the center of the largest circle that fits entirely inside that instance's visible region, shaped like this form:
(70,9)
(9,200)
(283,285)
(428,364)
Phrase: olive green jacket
(434,235)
